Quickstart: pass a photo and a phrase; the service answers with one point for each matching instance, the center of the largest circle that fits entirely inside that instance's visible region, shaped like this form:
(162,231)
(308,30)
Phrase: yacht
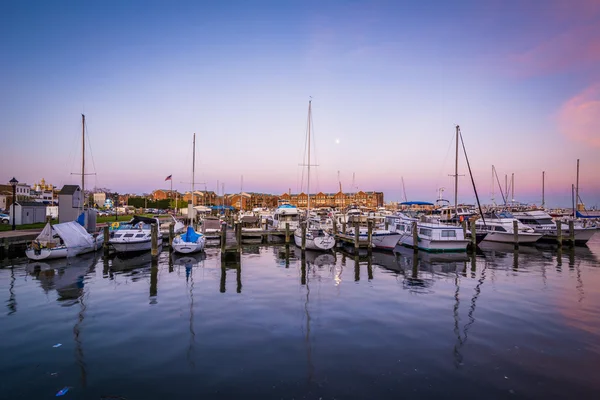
(380,238)
(134,235)
(499,228)
(286,214)
(541,222)
(431,235)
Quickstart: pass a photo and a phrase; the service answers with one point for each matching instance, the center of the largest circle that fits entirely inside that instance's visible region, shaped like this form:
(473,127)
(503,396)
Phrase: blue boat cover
(81,219)
(190,235)
(416,203)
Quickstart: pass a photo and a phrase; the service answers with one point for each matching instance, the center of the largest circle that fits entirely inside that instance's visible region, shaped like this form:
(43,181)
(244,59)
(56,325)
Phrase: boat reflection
(188,261)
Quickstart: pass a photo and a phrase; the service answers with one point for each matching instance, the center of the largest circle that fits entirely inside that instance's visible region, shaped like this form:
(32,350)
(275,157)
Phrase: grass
(110,219)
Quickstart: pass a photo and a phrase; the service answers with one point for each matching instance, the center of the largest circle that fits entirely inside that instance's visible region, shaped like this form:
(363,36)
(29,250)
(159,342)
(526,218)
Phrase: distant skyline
(389,81)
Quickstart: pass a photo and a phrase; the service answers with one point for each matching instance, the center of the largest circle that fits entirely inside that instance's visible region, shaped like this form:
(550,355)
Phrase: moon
(337,141)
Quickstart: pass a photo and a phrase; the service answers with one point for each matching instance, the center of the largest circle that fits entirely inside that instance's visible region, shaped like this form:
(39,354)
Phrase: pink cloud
(579,117)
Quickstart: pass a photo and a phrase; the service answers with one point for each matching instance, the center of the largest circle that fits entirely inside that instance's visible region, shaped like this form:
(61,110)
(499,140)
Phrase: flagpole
(171,187)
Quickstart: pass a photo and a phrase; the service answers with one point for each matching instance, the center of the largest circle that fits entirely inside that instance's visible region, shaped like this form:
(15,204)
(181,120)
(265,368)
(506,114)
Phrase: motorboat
(431,236)
(62,240)
(500,228)
(286,214)
(541,222)
(135,235)
(189,242)
(380,238)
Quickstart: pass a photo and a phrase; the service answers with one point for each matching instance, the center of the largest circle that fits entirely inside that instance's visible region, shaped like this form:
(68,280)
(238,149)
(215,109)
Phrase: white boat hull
(435,245)
(386,241)
(509,237)
(188,247)
(323,242)
(123,246)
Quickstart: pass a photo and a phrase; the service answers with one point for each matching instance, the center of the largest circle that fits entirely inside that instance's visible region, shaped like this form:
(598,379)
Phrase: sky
(389,81)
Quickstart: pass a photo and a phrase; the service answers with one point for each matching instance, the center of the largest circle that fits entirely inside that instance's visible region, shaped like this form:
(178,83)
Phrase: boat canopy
(220,208)
(190,236)
(138,218)
(72,234)
(416,203)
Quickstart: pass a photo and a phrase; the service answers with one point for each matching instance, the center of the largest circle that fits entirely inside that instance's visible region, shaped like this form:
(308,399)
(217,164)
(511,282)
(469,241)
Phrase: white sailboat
(69,238)
(190,241)
(316,238)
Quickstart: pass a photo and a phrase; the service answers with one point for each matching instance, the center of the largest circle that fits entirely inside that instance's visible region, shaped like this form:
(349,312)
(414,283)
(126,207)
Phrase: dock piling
(473,236)
(223,237)
(287,233)
(415,236)
(356,235)
(106,239)
(559,236)
(171,235)
(571,233)
(154,239)
(516,233)
(334,227)
(370,234)
(303,236)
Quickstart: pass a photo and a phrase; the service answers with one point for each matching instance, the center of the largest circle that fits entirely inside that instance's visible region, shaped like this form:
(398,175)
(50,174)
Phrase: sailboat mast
(83,160)
(493,186)
(193,177)
(512,187)
(543,189)
(576,191)
(308,180)
(456,174)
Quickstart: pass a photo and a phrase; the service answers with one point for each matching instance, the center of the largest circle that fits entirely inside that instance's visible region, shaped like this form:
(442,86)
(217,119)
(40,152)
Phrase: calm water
(499,325)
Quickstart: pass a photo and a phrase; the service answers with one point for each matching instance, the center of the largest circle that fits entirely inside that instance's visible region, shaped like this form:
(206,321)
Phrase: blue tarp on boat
(190,236)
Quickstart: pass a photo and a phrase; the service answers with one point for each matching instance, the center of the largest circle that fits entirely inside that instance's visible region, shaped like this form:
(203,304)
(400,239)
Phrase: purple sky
(389,81)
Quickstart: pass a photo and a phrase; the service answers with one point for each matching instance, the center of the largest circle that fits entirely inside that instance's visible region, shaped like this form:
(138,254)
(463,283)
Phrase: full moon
(337,141)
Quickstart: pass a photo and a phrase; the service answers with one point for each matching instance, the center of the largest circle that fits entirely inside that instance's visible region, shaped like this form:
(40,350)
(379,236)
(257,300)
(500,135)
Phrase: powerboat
(431,236)
(541,222)
(135,235)
(500,228)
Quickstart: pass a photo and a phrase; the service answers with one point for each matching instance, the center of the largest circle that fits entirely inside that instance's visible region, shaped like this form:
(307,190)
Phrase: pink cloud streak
(579,117)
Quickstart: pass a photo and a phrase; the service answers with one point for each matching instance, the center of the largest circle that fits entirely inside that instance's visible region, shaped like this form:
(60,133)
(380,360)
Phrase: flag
(168,178)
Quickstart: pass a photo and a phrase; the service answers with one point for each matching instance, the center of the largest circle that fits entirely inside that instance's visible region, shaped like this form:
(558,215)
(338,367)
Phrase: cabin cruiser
(500,228)
(286,214)
(460,213)
(135,235)
(380,238)
(67,239)
(541,222)
(431,235)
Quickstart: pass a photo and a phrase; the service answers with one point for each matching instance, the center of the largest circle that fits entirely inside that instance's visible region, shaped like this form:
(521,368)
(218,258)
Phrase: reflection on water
(281,323)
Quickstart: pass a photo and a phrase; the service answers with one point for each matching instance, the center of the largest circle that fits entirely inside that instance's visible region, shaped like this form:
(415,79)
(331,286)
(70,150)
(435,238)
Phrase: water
(500,325)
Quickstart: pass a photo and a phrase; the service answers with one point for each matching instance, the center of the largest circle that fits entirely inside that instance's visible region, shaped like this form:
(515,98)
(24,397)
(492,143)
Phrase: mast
(512,187)
(573,200)
(493,185)
(403,189)
(506,187)
(83,160)
(308,182)
(456,174)
(241,191)
(543,189)
(193,177)
(576,192)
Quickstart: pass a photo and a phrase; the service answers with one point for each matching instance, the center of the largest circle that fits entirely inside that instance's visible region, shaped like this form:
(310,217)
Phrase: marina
(281,323)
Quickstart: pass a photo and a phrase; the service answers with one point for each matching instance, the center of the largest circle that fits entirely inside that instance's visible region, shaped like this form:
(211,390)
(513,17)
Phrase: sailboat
(190,241)
(316,238)
(66,239)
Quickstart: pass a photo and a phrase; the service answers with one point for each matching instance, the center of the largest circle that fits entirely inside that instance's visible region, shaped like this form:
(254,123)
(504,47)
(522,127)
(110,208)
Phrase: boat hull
(122,246)
(387,241)
(322,242)
(436,245)
(509,237)
(62,251)
(188,247)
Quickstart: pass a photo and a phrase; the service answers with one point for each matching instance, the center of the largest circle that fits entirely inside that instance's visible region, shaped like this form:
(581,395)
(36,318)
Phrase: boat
(313,236)
(286,214)
(431,236)
(190,241)
(380,238)
(500,228)
(541,222)
(62,240)
(134,235)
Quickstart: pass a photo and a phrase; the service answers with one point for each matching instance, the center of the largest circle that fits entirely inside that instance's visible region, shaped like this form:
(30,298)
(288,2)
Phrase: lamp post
(13,182)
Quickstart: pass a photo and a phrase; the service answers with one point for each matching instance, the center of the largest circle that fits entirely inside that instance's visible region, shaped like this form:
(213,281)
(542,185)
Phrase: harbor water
(276,325)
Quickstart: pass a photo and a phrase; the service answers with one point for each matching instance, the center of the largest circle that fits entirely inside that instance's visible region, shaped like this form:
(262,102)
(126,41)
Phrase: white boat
(431,236)
(189,242)
(63,240)
(286,214)
(499,228)
(134,235)
(315,238)
(541,222)
(380,238)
